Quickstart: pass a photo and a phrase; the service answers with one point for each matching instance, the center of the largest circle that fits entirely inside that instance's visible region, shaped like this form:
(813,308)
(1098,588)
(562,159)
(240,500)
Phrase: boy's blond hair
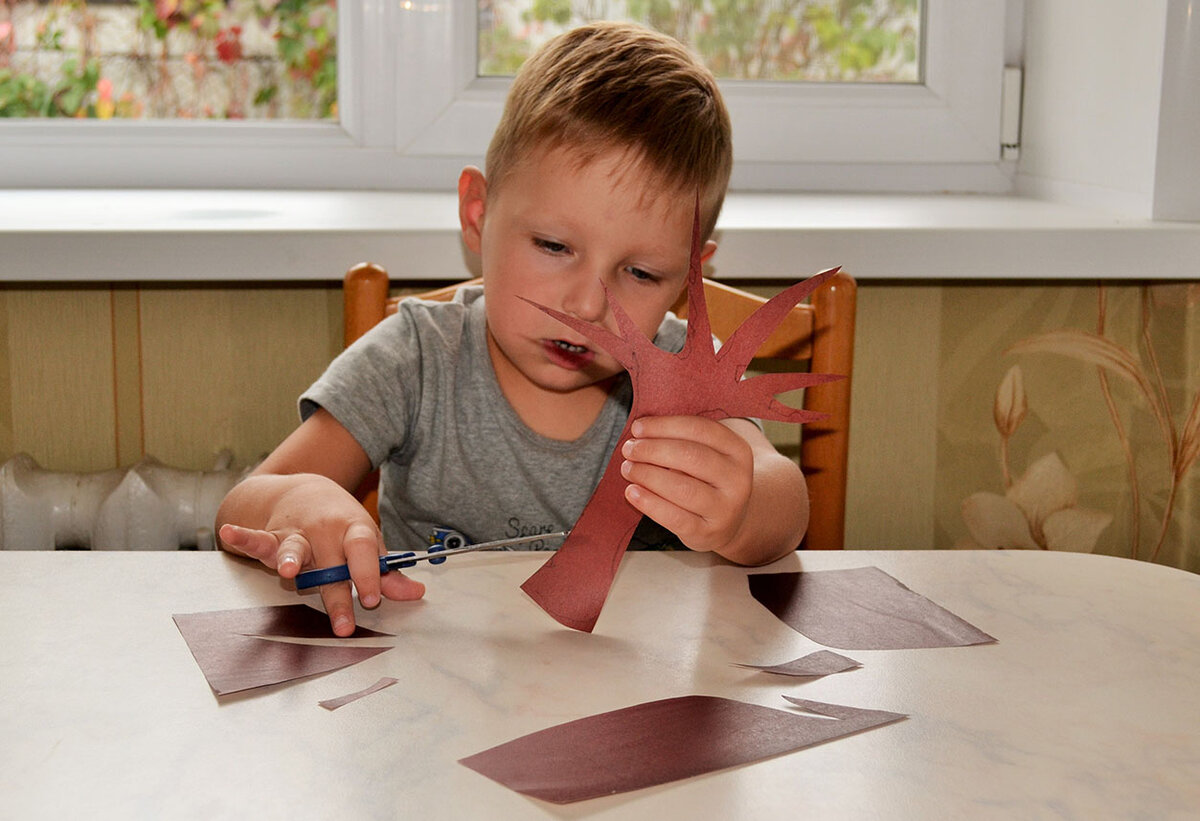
(618,85)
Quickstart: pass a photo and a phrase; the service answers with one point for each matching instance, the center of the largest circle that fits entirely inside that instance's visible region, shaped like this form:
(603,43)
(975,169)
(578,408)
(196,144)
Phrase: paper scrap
(235,650)
(820,663)
(332,704)
(658,742)
(862,608)
(573,584)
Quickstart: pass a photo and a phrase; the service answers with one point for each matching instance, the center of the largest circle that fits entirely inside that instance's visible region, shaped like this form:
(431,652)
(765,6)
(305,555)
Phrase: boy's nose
(585,299)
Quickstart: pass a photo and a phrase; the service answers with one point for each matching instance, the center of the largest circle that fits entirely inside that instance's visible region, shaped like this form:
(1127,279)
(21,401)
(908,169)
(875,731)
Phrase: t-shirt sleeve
(372,388)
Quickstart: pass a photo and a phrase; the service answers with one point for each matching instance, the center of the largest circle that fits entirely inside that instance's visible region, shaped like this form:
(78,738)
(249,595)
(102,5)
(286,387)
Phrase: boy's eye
(550,246)
(645,276)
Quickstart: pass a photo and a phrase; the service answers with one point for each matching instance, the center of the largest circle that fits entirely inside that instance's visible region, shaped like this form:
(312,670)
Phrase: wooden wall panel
(7,443)
(894,418)
(129,432)
(58,386)
(222,368)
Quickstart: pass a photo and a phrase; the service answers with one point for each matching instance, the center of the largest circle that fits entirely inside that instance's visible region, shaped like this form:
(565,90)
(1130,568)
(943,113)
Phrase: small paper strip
(332,704)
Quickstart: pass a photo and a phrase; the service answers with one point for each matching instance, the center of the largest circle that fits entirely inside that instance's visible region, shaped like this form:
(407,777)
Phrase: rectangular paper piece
(860,609)
(341,701)
(658,742)
(820,663)
(241,649)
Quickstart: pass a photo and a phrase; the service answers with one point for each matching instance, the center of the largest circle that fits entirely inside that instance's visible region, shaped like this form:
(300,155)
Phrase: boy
(487,415)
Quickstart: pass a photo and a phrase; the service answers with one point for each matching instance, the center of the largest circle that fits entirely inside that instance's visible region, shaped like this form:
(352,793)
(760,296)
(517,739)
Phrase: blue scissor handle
(341,572)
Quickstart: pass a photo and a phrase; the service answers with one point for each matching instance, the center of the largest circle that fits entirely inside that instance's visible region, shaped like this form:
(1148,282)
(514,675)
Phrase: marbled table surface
(1088,707)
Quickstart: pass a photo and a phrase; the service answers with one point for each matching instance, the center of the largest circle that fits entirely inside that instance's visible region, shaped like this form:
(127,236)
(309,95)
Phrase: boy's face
(552,234)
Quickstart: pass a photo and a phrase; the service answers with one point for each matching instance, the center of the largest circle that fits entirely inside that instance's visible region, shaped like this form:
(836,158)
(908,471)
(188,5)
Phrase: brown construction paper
(862,608)
(230,647)
(820,663)
(332,704)
(574,583)
(658,742)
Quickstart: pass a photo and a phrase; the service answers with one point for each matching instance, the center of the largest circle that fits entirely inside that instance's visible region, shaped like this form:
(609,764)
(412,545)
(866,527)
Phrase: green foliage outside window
(168,58)
(768,40)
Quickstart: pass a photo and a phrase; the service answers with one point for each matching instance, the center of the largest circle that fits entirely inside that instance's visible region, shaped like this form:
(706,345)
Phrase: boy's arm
(296,511)
(718,486)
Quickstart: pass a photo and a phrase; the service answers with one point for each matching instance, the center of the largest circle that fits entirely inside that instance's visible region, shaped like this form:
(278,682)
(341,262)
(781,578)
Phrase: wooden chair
(820,333)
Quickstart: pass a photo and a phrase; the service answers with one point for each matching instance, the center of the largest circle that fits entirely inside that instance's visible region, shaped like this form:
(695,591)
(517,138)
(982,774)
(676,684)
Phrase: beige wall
(93,377)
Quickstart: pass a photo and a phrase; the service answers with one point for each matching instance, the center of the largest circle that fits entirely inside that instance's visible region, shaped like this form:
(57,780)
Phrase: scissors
(394,561)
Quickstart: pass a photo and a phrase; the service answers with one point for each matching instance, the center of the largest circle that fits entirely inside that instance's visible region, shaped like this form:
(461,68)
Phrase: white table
(1088,707)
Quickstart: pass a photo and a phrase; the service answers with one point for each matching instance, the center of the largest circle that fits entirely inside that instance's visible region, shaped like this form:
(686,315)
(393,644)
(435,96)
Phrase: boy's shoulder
(415,315)
(464,297)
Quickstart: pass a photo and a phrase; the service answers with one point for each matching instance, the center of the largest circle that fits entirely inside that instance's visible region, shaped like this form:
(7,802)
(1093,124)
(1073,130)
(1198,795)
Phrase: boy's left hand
(690,474)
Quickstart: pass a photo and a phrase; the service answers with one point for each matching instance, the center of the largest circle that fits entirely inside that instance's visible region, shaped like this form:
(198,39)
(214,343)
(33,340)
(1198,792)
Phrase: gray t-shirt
(419,394)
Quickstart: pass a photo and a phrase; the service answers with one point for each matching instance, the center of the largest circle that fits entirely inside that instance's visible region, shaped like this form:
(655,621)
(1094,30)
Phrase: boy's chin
(566,382)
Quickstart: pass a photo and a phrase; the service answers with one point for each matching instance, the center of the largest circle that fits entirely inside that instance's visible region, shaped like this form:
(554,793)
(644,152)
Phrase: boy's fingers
(291,555)
(691,458)
(363,546)
(257,544)
(691,428)
(398,587)
(339,606)
(672,517)
(689,494)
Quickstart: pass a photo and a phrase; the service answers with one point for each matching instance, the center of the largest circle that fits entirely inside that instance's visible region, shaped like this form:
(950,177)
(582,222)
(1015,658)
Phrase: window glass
(410,108)
(169,59)
(863,41)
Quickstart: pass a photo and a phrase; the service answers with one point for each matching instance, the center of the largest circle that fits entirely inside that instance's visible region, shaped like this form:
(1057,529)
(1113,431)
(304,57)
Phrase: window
(169,59)
(412,110)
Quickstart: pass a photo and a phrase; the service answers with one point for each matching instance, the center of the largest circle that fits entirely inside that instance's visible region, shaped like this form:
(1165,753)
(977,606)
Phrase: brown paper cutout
(573,584)
(814,665)
(658,742)
(230,647)
(861,608)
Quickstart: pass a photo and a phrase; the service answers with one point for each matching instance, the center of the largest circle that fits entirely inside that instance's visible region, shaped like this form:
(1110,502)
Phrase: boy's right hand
(317,523)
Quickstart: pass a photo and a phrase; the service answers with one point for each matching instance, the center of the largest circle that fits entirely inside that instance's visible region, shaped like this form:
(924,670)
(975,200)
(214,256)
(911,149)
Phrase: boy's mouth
(568,355)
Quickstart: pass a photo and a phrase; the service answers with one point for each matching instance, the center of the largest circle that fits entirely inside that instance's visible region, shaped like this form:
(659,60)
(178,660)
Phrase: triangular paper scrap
(820,663)
(862,608)
(227,645)
(658,742)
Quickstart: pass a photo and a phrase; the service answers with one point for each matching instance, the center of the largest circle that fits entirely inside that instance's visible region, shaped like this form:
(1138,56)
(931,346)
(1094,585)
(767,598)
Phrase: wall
(1112,105)
(1093,73)
(92,377)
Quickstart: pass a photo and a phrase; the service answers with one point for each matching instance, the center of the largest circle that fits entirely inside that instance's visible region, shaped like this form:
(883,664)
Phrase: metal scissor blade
(407,559)
(398,561)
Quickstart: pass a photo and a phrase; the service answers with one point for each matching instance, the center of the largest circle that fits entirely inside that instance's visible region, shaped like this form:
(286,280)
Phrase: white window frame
(413,113)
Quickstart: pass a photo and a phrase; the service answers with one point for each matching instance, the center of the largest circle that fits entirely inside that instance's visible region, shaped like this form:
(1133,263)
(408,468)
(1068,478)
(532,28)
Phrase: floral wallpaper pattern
(1094,420)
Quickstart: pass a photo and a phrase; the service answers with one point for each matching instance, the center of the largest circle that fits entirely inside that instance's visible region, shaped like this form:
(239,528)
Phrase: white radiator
(148,506)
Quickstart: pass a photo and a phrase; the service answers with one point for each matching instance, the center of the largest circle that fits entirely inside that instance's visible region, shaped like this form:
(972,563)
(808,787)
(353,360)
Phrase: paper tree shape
(699,381)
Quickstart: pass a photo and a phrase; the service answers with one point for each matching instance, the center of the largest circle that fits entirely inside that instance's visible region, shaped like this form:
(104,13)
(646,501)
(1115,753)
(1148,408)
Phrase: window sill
(228,236)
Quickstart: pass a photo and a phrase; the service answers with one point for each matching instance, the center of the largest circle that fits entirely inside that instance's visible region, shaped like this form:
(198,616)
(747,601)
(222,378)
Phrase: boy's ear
(707,251)
(472,197)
